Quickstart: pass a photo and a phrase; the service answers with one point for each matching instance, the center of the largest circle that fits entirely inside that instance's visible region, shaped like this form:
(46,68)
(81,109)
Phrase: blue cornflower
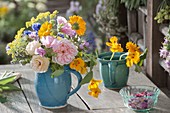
(27,32)
(36,26)
(61,35)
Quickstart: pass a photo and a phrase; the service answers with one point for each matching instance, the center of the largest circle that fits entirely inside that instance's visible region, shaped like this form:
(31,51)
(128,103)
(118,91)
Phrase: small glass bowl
(140,98)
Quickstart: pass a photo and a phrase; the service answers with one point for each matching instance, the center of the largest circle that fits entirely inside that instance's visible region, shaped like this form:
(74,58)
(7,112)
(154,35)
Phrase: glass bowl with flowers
(54,48)
(114,65)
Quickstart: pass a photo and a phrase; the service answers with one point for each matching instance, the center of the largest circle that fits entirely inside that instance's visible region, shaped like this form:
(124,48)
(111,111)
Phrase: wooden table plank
(111,99)
(75,104)
(16,102)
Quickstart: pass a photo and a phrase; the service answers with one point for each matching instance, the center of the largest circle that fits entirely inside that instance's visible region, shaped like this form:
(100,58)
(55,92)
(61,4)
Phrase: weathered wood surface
(16,100)
(109,101)
(153,43)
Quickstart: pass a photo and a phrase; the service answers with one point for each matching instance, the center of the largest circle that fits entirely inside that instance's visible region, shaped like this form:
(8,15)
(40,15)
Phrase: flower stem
(123,55)
(112,56)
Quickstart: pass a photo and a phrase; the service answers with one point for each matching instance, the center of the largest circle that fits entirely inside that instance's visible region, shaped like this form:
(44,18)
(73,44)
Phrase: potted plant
(53,48)
(114,65)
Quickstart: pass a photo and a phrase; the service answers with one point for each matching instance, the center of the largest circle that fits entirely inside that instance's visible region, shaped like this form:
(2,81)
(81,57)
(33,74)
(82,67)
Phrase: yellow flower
(78,24)
(53,15)
(132,58)
(115,46)
(79,65)
(132,47)
(45,29)
(19,33)
(3,10)
(95,93)
(113,41)
(94,84)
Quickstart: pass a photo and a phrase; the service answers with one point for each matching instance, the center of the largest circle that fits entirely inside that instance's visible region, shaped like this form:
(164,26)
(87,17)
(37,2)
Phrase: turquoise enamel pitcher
(115,72)
(54,92)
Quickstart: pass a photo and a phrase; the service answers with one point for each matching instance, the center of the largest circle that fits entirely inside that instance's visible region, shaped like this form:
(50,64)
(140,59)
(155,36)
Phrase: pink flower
(40,51)
(47,41)
(67,29)
(66,52)
(65,26)
(61,20)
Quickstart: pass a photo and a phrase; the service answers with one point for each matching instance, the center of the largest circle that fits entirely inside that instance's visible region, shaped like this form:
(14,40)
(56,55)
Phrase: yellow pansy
(132,47)
(78,24)
(94,84)
(79,65)
(95,93)
(113,40)
(45,29)
(132,58)
(114,45)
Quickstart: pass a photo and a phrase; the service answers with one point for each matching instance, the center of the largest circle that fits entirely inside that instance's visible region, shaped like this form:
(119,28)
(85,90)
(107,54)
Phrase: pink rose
(66,52)
(47,41)
(67,29)
(61,20)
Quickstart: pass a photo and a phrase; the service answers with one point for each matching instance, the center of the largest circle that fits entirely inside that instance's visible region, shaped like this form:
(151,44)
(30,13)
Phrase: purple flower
(27,32)
(167,62)
(7,47)
(40,51)
(163,53)
(34,35)
(165,41)
(36,26)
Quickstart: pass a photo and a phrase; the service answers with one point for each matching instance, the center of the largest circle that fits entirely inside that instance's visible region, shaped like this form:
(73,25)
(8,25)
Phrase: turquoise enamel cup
(54,92)
(115,72)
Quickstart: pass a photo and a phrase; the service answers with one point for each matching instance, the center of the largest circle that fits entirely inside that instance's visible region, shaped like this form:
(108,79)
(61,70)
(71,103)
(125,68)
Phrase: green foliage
(163,13)
(107,18)
(87,78)
(133,4)
(6,84)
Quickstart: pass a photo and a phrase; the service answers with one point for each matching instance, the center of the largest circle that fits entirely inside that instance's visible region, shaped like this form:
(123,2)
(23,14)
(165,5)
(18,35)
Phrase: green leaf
(9,87)
(87,78)
(138,68)
(57,72)
(7,80)
(142,57)
(3,99)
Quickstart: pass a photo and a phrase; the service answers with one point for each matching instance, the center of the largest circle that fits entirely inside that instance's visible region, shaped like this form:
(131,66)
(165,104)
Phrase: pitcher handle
(112,72)
(79,77)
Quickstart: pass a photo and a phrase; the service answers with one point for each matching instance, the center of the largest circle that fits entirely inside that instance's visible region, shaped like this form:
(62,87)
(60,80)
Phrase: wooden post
(132,21)
(153,43)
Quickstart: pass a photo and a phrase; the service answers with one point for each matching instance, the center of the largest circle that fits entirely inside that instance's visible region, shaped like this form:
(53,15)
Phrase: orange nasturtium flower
(79,65)
(78,24)
(114,45)
(95,93)
(94,88)
(45,29)
(133,54)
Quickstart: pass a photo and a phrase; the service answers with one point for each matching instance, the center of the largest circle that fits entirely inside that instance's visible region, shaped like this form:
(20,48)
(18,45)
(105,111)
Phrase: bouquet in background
(51,41)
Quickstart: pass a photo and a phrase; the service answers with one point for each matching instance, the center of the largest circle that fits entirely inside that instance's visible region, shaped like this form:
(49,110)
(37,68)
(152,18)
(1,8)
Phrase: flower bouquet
(54,46)
(114,68)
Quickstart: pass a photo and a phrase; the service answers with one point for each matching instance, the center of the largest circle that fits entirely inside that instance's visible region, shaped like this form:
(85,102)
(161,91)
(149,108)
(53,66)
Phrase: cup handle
(112,72)
(79,77)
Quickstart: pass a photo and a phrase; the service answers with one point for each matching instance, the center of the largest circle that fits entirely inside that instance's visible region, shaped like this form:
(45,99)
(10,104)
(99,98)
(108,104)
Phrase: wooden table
(109,101)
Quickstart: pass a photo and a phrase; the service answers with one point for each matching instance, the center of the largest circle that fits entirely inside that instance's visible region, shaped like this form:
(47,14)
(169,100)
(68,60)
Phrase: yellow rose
(39,64)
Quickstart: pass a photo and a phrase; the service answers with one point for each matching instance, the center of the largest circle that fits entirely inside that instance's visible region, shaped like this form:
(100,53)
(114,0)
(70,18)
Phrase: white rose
(39,64)
(30,48)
